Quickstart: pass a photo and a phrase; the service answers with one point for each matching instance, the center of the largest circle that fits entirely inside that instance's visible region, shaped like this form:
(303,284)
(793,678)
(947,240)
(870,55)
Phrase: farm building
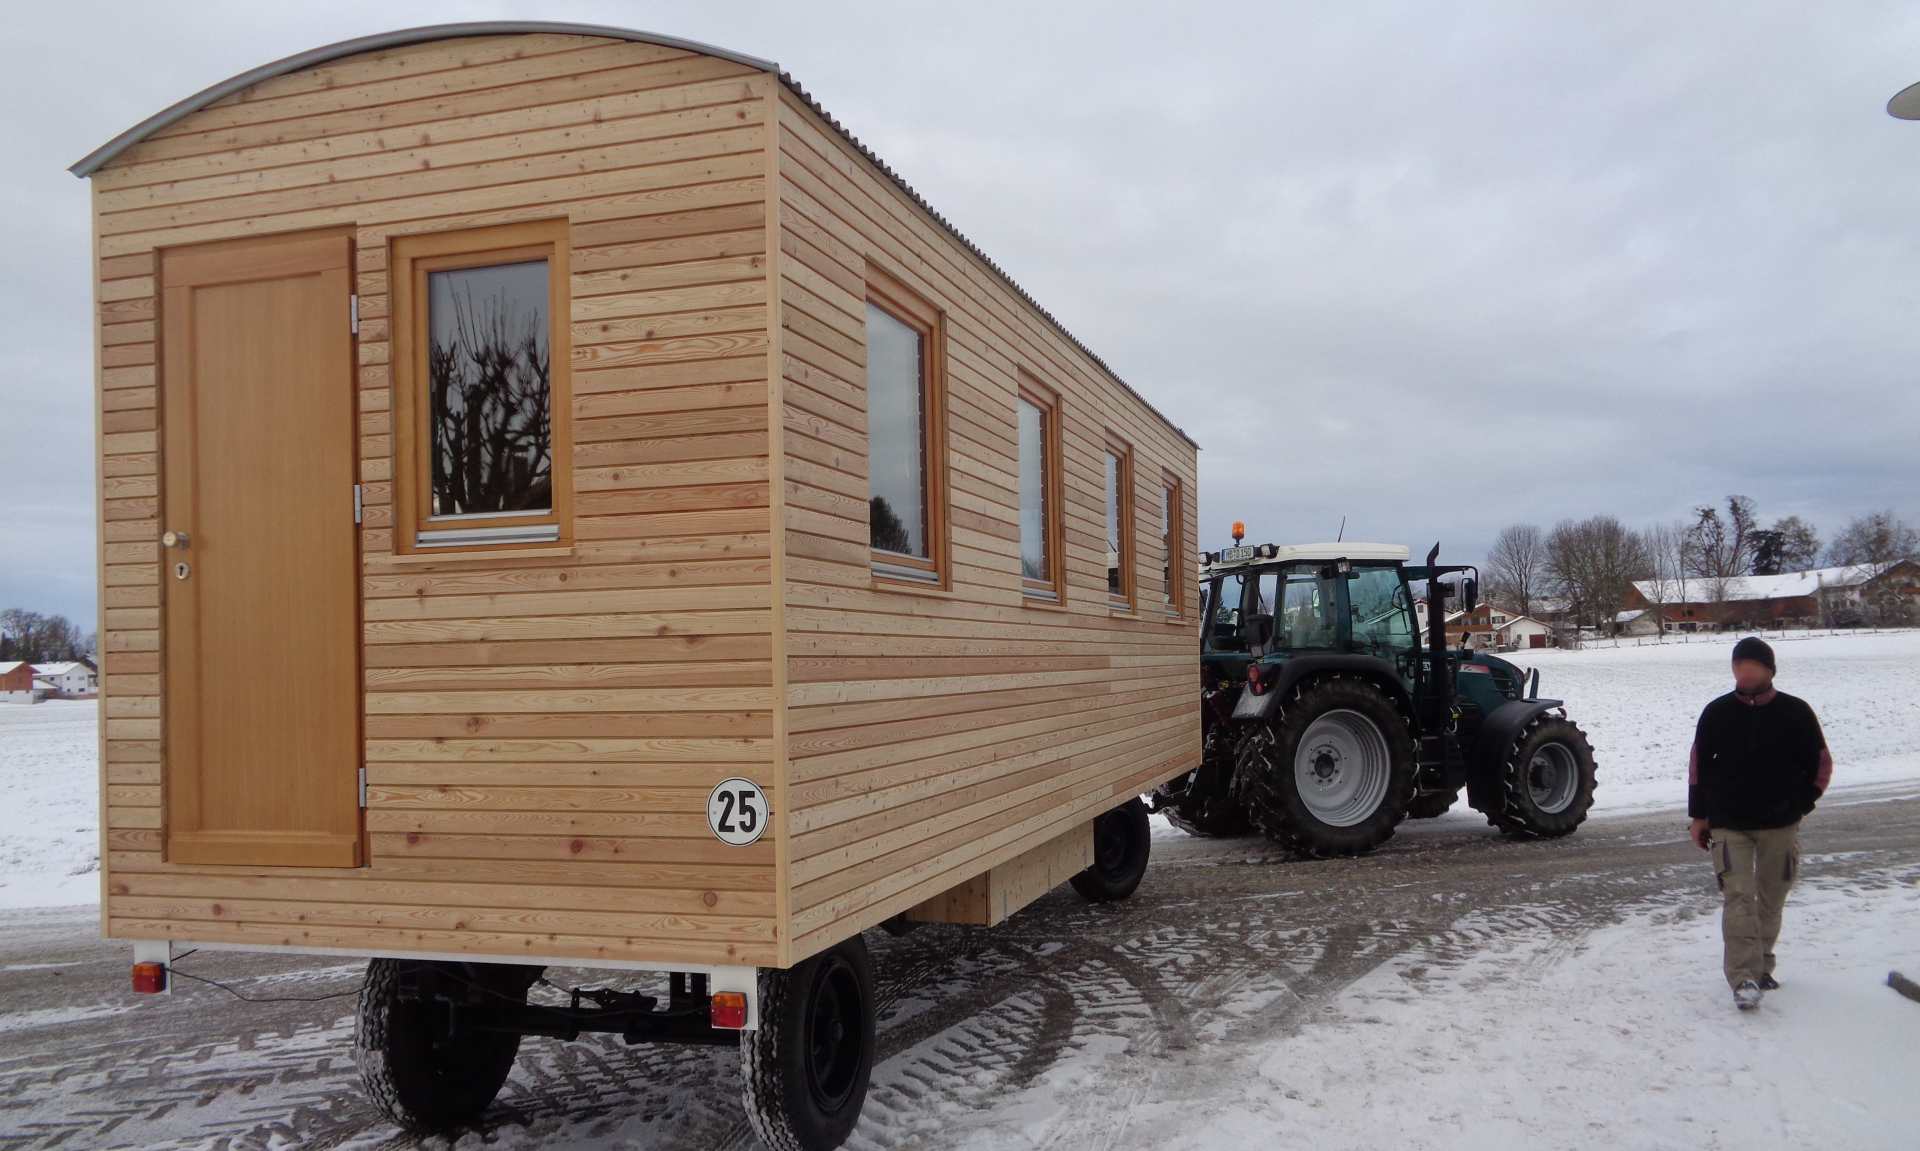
(1834,595)
(636,439)
(16,682)
(68,680)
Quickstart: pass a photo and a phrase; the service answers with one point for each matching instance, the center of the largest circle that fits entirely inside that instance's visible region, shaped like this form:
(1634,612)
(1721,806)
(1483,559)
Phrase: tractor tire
(1122,840)
(1433,805)
(805,1071)
(1546,781)
(414,1072)
(1331,772)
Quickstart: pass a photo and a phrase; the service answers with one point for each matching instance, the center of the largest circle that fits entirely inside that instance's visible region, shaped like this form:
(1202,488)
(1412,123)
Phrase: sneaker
(1747,996)
(1769,983)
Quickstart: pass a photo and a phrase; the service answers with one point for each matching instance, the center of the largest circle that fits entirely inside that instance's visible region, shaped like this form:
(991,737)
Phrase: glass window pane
(1033,492)
(896,436)
(1306,611)
(1116,559)
(1168,494)
(488,378)
(1382,618)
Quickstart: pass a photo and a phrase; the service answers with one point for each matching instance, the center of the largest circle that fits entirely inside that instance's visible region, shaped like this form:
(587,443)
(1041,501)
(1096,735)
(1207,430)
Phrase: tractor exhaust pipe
(1440,696)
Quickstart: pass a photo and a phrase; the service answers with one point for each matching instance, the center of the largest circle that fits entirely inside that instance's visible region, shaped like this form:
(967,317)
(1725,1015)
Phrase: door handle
(174,540)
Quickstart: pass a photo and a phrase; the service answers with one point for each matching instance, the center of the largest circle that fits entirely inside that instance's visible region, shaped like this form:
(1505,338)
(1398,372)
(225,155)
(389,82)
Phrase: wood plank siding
(542,727)
(932,735)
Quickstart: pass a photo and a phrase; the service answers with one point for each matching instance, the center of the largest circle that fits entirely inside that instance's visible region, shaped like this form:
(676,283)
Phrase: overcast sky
(1433,273)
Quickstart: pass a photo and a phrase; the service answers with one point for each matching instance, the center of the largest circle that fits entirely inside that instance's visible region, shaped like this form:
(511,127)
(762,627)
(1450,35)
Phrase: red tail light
(149,978)
(1254,683)
(727,1010)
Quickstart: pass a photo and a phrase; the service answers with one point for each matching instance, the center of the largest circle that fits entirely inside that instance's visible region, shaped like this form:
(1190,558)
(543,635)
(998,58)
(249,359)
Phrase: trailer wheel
(1332,771)
(1433,805)
(415,1070)
(1122,840)
(1546,781)
(805,1070)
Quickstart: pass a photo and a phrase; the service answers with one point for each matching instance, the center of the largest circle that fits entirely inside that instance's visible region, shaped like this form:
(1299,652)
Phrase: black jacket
(1756,763)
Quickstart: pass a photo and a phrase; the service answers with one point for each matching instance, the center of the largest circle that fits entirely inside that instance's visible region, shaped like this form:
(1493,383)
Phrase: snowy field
(1638,705)
(49,803)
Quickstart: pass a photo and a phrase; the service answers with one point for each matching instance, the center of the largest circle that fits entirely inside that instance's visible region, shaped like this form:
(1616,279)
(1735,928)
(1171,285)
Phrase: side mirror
(1469,593)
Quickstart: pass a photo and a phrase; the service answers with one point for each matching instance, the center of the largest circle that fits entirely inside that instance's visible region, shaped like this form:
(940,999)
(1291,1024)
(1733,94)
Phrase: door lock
(182,570)
(174,540)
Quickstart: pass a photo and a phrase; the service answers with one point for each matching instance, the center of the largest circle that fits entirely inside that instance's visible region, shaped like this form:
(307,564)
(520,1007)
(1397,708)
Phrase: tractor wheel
(1546,780)
(1433,805)
(806,1069)
(420,1075)
(1122,839)
(1331,772)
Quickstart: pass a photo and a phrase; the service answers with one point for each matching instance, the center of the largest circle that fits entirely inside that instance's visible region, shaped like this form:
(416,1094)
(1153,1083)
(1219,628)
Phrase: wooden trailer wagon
(565,502)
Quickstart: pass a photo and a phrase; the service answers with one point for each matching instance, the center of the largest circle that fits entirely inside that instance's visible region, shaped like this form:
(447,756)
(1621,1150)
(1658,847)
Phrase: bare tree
(1881,539)
(36,638)
(1667,557)
(1721,550)
(1517,565)
(1596,561)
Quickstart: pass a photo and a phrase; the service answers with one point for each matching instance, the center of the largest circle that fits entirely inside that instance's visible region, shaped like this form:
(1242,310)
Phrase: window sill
(1039,603)
(911,587)
(446,556)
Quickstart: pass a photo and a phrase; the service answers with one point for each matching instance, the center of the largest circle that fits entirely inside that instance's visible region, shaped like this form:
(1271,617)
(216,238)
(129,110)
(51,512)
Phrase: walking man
(1759,762)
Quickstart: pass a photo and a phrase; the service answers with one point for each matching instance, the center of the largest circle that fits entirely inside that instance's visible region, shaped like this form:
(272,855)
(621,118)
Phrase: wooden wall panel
(541,729)
(931,736)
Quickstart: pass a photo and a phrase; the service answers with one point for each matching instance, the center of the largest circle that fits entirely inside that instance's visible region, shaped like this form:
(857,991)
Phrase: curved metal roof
(93,160)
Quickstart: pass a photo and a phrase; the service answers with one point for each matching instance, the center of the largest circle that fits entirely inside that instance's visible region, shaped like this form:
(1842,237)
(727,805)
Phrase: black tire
(806,1069)
(1122,841)
(419,1076)
(1432,805)
(1265,778)
(1518,808)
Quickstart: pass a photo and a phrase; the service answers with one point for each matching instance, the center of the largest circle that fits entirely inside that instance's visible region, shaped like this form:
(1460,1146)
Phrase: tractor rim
(1553,778)
(834,1034)
(1342,767)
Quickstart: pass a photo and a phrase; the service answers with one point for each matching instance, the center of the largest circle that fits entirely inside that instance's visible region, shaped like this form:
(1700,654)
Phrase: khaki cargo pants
(1755,870)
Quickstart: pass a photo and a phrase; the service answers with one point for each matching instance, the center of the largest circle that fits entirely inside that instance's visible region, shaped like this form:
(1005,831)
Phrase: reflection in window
(490,406)
(1034,563)
(1172,575)
(1377,605)
(1116,527)
(896,434)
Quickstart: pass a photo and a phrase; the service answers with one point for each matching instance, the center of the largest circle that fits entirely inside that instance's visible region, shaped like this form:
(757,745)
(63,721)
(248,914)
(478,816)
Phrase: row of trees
(1592,563)
(35,638)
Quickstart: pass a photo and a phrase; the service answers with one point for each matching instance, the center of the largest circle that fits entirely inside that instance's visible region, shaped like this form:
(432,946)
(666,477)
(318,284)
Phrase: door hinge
(357,506)
(353,313)
(363,788)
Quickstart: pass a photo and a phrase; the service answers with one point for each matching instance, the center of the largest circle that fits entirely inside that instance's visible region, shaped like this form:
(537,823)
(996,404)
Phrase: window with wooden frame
(1042,535)
(1173,530)
(482,438)
(906,433)
(1120,554)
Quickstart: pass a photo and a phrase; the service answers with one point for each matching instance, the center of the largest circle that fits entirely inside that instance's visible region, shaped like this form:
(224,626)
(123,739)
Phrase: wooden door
(261,622)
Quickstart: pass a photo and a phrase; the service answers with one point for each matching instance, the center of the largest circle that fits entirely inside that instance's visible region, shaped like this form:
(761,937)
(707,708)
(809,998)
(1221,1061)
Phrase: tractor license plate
(1235,555)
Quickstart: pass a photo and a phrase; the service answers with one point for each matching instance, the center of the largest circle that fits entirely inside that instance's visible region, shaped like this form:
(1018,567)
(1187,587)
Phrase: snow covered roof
(56,668)
(1629,616)
(1782,586)
(9,665)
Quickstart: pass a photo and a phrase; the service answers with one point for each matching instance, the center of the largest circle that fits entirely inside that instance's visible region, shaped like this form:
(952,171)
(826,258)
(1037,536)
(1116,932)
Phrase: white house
(67,680)
(1524,631)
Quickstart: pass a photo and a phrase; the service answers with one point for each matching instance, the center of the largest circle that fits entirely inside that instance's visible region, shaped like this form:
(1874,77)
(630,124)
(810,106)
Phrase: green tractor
(1326,720)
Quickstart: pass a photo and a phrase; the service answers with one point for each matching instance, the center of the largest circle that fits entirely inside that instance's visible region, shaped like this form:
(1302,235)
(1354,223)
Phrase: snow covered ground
(49,803)
(1638,705)
(1622,1037)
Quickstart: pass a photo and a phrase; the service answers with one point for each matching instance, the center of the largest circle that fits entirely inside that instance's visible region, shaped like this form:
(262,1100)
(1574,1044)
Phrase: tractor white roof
(1320,553)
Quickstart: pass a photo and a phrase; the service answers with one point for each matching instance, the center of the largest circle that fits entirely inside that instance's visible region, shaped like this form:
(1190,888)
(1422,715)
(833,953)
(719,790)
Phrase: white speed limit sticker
(737,812)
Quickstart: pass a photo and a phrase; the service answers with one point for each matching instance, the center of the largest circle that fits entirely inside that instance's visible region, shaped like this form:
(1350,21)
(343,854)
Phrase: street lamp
(1905,103)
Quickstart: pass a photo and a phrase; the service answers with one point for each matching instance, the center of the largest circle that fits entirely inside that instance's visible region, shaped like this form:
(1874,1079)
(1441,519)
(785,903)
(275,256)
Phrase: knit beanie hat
(1756,649)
